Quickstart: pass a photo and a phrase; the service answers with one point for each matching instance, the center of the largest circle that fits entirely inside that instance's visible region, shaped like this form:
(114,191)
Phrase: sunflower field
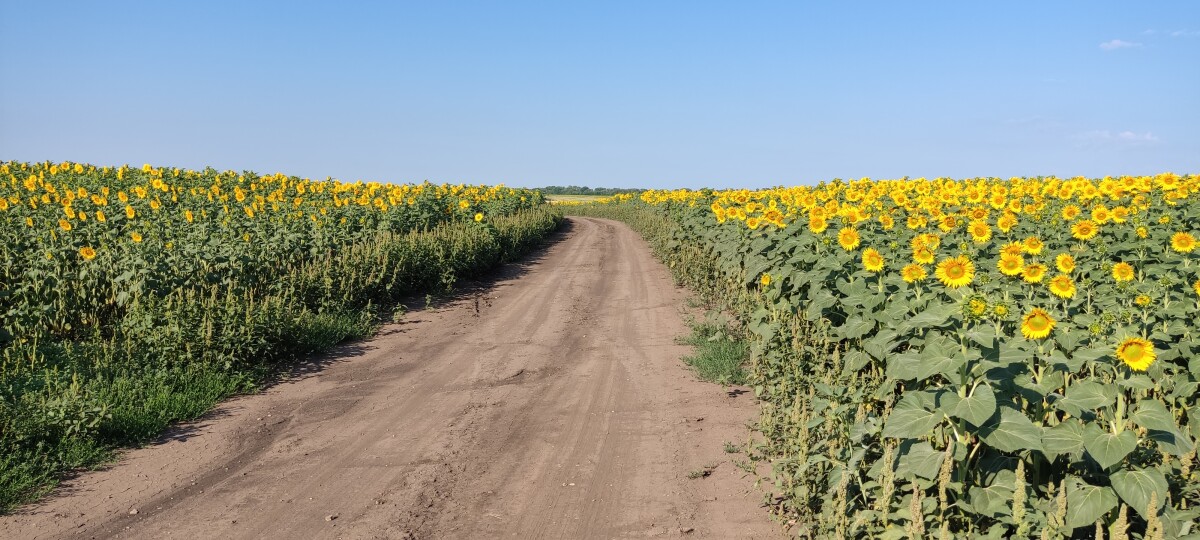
(960,358)
(133,297)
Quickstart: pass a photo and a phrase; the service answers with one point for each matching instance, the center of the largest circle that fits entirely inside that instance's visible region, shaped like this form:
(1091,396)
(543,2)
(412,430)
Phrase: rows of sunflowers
(976,358)
(134,296)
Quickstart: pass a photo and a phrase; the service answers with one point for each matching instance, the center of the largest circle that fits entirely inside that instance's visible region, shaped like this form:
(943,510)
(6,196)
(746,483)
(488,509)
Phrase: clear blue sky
(637,94)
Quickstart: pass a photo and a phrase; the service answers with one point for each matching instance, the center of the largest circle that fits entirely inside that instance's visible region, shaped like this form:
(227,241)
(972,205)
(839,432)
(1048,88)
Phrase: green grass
(718,356)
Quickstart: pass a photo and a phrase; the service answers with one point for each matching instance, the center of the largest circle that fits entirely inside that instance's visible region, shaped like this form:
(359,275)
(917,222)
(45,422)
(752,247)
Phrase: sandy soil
(551,404)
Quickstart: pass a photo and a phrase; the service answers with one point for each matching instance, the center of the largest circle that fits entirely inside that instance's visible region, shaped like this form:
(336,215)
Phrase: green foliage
(893,410)
(104,352)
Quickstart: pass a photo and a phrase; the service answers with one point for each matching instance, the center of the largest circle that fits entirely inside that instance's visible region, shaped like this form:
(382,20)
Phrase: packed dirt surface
(552,403)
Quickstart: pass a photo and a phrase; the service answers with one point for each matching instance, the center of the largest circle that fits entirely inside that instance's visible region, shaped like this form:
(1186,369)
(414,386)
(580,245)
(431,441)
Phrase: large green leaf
(977,407)
(854,328)
(1104,447)
(1151,414)
(934,316)
(1135,487)
(1087,503)
(1065,438)
(911,419)
(1086,396)
(1011,431)
(921,459)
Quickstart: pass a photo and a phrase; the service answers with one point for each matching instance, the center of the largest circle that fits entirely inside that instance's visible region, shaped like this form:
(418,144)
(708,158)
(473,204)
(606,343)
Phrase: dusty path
(560,411)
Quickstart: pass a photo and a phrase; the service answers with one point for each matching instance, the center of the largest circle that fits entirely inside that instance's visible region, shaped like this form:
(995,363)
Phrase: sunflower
(1142,232)
(129,212)
(1065,263)
(977,307)
(915,272)
(87,253)
(848,238)
(478,216)
(1032,245)
(187,214)
(1007,222)
(1070,212)
(765,280)
(1062,286)
(1012,248)
(752,223)
(100,216)
(923,255)
(1085,229)
(1142,300)
(1196,287)
(1183,242)
(1122,272)
(1011,265)
(872,260)
(1137,353)
(136,237)
(1036,324)
(1033,273)
(1000,310)
(64,224)
(954,272)
(980,232)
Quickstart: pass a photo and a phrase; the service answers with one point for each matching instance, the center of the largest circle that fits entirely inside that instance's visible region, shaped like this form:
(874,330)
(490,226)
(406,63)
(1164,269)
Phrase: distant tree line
(577,190)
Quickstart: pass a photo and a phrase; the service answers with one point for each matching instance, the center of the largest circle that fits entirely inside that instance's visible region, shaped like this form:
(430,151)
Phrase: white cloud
(1118,44)
(1185,33)
(1109,137)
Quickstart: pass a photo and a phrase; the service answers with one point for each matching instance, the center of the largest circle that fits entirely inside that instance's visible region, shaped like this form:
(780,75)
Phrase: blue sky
(635,94)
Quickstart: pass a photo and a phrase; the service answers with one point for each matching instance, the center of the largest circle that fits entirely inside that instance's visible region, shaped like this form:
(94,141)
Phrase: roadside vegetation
(131,298)
(950,359)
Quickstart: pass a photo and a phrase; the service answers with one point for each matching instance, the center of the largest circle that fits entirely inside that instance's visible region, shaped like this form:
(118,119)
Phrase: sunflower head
(872,260)
(1183,242)
(1033,273)
(1122,272)
(1011,265)
(1032,245)
(915,272)
(1065,263)
(1037,324)
(848,238)
(1137,353)
(955,272)
(1062,286)
(765,280)
(1085,229)
(87,253)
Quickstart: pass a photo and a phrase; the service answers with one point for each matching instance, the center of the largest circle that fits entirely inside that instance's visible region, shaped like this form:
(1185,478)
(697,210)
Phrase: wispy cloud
(1118,44)
(1109,137)
(1185,33)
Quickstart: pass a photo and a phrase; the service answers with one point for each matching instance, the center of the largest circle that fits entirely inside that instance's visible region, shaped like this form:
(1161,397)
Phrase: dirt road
(552,405)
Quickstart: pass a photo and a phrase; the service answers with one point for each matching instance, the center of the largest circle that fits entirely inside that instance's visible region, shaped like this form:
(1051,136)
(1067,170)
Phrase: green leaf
(854,361)
(933,316)
(920,459)
(1104,447)
(1011,431)
(1151,414)
(1086,396)
(1065,438)
(854,328)
(910,419)
(1135,487)
(977,407)
(1087,503)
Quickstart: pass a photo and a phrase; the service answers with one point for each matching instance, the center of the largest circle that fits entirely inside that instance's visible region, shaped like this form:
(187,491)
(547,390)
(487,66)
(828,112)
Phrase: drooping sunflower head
(1137,353)
(1037,324)
(1011,265)
(1183,242)
(1062,286)
(1065,263)
(955,272)
(1122,272)
(872,260)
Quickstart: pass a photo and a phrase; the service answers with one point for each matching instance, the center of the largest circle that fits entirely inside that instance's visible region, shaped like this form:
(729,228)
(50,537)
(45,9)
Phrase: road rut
(550,404)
